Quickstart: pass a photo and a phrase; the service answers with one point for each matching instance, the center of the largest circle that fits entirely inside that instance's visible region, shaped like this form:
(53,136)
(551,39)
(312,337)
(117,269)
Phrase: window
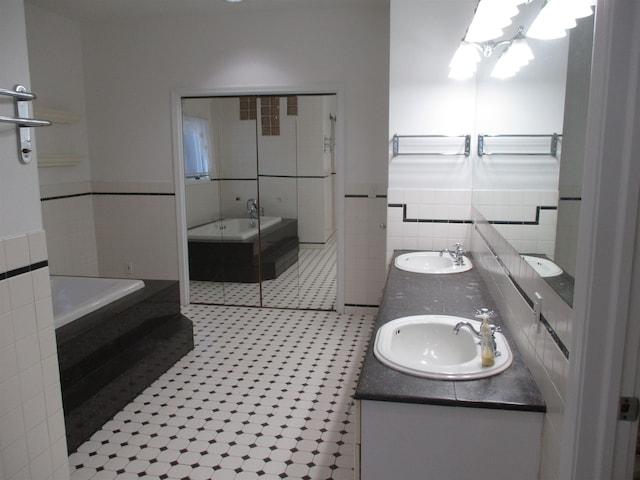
(196,139)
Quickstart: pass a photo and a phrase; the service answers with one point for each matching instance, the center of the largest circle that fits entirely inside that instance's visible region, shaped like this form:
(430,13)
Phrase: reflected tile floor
(265,394)
(309,283)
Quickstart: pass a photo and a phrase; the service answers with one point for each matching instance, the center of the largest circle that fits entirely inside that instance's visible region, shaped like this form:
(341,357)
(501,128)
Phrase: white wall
(32,435)
(424,101)
(131,67)
(58,79)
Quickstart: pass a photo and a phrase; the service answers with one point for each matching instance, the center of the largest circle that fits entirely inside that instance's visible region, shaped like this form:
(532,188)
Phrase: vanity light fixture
(515,55)
(490,17)
(489,20)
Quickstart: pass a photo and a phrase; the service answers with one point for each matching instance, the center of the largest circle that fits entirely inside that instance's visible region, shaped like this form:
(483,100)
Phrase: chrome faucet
(252,208)
(473,331)
(457,254)
(477,334)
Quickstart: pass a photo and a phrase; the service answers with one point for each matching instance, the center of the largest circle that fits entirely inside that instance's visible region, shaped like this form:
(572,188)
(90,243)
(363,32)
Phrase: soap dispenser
(486,338)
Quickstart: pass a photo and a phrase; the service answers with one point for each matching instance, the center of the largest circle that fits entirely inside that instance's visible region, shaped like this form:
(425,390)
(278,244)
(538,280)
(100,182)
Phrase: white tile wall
(521,205)
(544,358)
(365,267)
(140,229)
(32,435)
(427,204)
(71,238)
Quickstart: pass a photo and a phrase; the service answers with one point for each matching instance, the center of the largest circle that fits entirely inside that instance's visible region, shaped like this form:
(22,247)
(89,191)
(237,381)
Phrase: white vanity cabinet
(408,441)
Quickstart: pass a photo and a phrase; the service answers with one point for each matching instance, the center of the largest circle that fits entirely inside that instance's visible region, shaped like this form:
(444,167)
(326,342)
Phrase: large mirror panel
(261,220)
(535,124)
(296,178)
(223,266)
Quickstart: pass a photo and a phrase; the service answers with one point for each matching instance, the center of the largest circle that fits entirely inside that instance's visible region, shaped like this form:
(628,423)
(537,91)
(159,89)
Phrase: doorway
(259,192)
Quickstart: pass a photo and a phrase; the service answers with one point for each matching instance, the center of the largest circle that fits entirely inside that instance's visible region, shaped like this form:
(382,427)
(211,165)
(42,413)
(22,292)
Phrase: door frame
(595,443)
(178,93)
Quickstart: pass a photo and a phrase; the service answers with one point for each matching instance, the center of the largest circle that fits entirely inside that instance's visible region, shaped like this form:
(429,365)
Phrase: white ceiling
(100,10)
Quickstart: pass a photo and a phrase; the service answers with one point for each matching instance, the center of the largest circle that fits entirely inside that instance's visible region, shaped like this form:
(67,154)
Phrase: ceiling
(101,10)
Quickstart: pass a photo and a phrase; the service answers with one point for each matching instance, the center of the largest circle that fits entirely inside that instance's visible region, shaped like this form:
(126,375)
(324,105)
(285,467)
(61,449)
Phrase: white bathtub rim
(118,288)
(205,233)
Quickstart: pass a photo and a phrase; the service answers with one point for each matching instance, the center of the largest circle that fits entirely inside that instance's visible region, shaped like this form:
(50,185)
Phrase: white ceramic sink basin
(426,346)
(431,263)
(544,267)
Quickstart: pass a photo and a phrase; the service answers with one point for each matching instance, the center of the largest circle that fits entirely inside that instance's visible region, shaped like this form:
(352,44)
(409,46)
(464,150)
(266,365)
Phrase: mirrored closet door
(259,182)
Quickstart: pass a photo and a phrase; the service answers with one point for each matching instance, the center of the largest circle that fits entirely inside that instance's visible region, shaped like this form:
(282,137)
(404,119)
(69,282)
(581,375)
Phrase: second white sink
(431,263)
(544,267)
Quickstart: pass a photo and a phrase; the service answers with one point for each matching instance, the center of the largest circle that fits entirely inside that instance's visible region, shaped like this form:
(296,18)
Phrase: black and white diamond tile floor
(265,394)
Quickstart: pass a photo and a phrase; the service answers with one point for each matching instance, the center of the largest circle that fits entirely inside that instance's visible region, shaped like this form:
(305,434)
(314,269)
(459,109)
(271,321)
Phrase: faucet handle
(485,312)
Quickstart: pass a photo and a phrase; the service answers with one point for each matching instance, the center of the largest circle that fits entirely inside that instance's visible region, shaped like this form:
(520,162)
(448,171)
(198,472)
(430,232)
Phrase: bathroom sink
(431,263)
(544,267)
(426,346)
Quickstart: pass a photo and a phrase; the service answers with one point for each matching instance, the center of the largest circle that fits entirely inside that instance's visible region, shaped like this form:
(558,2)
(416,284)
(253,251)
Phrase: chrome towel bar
(431,145)
(22,122)
(554,141)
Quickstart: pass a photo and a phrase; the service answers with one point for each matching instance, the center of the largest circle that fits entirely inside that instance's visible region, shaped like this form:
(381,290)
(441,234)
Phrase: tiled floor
(309,283)
(265,394)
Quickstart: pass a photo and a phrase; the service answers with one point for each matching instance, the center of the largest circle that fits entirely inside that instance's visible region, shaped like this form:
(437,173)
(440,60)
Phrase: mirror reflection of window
(196,139)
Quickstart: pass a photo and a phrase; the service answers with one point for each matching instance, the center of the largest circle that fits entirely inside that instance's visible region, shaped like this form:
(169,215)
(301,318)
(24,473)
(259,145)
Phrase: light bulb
(521,50)
(551,22)
(465,57)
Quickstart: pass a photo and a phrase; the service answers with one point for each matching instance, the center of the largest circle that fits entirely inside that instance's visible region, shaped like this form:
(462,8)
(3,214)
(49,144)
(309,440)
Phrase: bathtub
(112,353)
(231,229)
(74,297)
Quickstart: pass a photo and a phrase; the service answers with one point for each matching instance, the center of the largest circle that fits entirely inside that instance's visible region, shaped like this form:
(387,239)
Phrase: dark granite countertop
(459,294)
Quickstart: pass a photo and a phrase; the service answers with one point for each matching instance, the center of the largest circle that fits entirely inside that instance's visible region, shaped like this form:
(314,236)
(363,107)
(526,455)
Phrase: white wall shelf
(59,117)
(59,160)
(56,116)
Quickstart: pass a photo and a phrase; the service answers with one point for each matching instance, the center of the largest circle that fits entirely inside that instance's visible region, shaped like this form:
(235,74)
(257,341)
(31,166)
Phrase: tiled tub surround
(265,394)
(461,295)
(68,218)
(109,356)
(96,228)
(32,441)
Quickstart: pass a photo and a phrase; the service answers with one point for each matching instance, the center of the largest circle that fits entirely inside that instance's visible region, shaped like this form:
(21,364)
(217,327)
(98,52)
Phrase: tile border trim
(405,219)
(554,336)
(22,270)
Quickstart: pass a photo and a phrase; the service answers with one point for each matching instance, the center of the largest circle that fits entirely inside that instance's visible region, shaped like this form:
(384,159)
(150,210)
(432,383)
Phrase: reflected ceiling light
(558,16)
(516,56)
(490,17)
(466,58)
(465,61)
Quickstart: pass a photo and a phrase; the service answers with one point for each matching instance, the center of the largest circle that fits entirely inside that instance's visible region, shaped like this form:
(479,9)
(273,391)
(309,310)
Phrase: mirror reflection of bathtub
(228,250)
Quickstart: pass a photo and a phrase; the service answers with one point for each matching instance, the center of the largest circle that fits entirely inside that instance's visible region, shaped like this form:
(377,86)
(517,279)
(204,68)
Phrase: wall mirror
(528,191)
(259,196)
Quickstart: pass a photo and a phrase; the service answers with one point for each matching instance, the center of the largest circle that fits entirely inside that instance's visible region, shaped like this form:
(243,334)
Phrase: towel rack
(554,139)
(21,121)
(421,150)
